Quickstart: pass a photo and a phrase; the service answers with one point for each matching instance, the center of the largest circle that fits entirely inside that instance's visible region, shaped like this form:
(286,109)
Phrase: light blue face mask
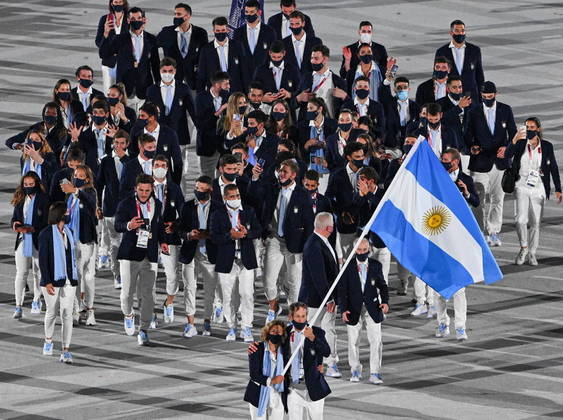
(403,95)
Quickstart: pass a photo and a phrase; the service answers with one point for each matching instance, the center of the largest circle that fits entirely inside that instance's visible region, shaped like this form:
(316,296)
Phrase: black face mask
(29,190)
(255,105)
(63,96)
(278,116)
(220,36)
(455,96)
(78,182)
(296,31)
(178,21)
(345,127)
(317,66)
(299,325)
(286,182)
(117,8)
(530,134)
(136,24)
(275,339)
(50,119)
(358,163)
(440,74)
(489,102)
(150,154)
(113,101)
(311,115)
(251,131)
(362,93)
(362,257)
(366,59)
(142,122)
(230,177)
(251,18)
(201,195)
(459,38)
(447,166)
(86,83)
(407,148)
(434,126)
(277,63)
(66,219)
(242,109)
(98,120)
(37,145)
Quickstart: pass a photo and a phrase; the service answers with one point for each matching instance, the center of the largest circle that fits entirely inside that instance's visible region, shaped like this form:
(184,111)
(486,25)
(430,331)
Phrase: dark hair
(75,153)
(295,306)
(239,146)
(101,104)
(369,172)
(277,47)
(456,22)
(125,7)
(122,134)
(319,102)
(168,61)
(401,79)
(453,152)
(227,160)
(252,3)
(59,83)
(453,78)
(296,14)
(364,45)
(19,195)
(323,49)
(61,132)
(220,21)
(536,121)
(311,175)
(150,109)
(229,187)
(120,87)
(256,84)
(365,23)
(433,108)
(361,79)
(57,210)
(161,158)
(219,77)
(184,6)
(258,115)
(442,59)
(287,3)
(89,174)
(79,69)
(144,179)
(137,10)
(204,179)
(352,147)
(288,144)
(145,138)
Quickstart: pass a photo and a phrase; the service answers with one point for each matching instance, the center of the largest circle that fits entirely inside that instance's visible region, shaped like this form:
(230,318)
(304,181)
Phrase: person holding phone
(281,122)
(38,157)
(31,205)
(231,123)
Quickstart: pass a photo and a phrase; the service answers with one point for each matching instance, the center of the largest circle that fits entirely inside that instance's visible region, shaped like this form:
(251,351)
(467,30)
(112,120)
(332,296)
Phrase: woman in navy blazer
(31,205)
(38,156)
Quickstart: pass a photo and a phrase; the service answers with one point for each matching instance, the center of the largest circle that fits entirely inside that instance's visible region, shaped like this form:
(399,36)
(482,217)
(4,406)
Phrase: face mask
(365,38)
(251,18)
(275,339)
(242,109)
(142,122)
(345,127)
(149,154)
(285,183)
(459,38)
(86,83)
(201,195)
(224,93)
(316,67)
(63,96)
(455,96)
(407,148)
(299,325)
(178,21)
(447,166)
(29,190)
(251,131)
(440,74)
(255,105)
(313,192)
(50,119)
(66,219)
(113,101)
(220,36)
(296,31)
(98,120)
(358,163)
(530,134)
(78,182)
(362,93)
(311,115)
(434,126)
(277,63)
(229,177)
(159,172)
(278,116)
(117,8)
(234,204)
(167,77)
(37,145)
(362,257)
(366,59)
(136,24)
(489,102)
(403,95)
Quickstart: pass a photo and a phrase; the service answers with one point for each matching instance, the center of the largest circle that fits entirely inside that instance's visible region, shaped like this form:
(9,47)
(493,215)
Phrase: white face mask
(159,172)
(234,204)
(365,38)
(167,77)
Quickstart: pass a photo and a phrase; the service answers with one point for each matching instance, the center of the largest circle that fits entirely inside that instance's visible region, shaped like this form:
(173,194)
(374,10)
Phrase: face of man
(310,185)
(232,195)
(300,315)
(151,147)
(120,143)
(458,30)
(441,67)
(230,168)
(202,187)
(286,173)
(143,191)
(454,163)
(296,23)
(85,74)
(256,95)
(434,119)
(168,69)
(455,87)
(180,12)
(159,164)
(318,58)
(363,247)
(277,56)
(357,155)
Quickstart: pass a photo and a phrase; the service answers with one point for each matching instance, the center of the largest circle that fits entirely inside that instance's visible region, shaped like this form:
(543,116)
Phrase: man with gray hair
(320,268)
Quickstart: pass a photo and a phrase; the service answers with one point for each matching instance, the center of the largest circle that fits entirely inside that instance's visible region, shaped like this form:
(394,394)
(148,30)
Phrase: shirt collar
(114,155)
(290,188)
(453,100)
(222,183)
(312,123)
(217,45)
(136,36)
(357,101)
(80,92)
(453,175)
(453,46)
(303,39)
(349,170)
(494,107)
(160,183)
(156,130)
(256,28)
(142,162)
(281,67)
(173,84)
(189,31)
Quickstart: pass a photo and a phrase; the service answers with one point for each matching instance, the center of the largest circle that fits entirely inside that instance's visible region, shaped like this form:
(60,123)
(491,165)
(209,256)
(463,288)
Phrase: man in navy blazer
(84,92)
(136,54)
(350,58)
(451,159)
(229,174)
(299,44)
(363,297)
(142,163)
(434,88)
(439,136)
(456,107)
(183,41)
(490,129)
(225,55)
(365,106)
(280,22)
(465,59)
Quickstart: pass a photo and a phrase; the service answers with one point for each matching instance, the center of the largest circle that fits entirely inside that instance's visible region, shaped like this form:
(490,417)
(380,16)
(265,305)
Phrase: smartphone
(394,69)
(146,222)
(65,181)
(467,94)
(236,117)
(261,162)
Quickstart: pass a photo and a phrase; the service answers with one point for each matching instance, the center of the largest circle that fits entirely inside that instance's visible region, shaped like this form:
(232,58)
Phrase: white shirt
(530,161)
(138,45)
(351,175)
(328,245)
(435,140)
(325,89)
(26,204)
(277,73)
(187,35)
(286,194)
(216,100)
(225,50)
(256,31)
(439,90)
(84,96)
(341,143)
(145,164)
(118,164)
(459,56)
(222,185)
(361,107)
(154,133)
(403,108)
(164,89)
(285,27)
(299,46)
(363,273)
(453,175)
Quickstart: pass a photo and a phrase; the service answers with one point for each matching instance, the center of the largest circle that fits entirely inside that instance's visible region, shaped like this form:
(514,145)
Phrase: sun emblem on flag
(436,220)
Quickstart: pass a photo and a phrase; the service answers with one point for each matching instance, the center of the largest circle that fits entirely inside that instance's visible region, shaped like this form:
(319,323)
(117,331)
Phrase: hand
(277,380)
(111,131)
(99,214)
(220,110)
(347,53)
(475,150)
(136,223)
(285,94)
(465,102)
(256,172)
(305,96)
(119,110)
(321,369)
(169,227)
(50,288)
(269,97)
(463,187)
(558,197)
(251,141)
(235,234)
(500,153)
(108,27)
(75,131)
(330,307)
(308,333)
(18,146)
(339,93)
(33,154)
(363,188)
(311,142)
(68,188)
(165,249)
(242,229)
(384,308)
(345,316)
(252,348)
(195,235)
(520,135)
(15,226)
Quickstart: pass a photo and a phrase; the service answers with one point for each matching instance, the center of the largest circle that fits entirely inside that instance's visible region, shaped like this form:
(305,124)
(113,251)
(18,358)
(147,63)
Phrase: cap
(488,87)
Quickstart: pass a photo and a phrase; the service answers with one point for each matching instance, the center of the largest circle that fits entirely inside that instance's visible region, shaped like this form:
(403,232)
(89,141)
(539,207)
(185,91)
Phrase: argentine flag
(427,225)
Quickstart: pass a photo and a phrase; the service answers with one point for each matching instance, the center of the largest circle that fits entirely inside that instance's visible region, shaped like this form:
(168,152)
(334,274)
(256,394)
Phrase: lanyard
(533,160)
(316,88)
(139,212)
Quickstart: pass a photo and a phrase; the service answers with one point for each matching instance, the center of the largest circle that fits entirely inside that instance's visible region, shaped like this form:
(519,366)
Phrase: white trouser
(375,343)
(86,265)
(184,149)
(323,183)
(327,321)
(143,274)
(276,255)
(529,208)
(64,298)
(113,240)
(189,276)
(347,243)
(296,403)
(404,276)
(109,74)
(460,309)
(208,165)
(274,411)
(102,248)
(23,264)
(171,268)
(245,280)
(383,255)
(423,293)
(491,196)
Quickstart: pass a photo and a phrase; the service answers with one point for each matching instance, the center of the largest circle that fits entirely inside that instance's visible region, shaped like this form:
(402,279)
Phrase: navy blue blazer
(75,97)
(375,112)
(107,184)
(350,295)
(88,220)
(221,236)
(549,168)
(40,214)
(186,71)
(379,54)
(135,79)
(307,83)
(425,93)
(455,117)
(182,106)
(268,148)
(109,61)
(275,22)
(188,222)
(56,137)
(478,134)
(173,203)
(341,193)
(304,134)
(365,206)
(319,272)
(88,143)
(473,198)
(128,250)
(290,57)
(242,183)
(48,168)
(131,169)
(449,137)
(260,56)
(394,132)
(47,260)
(209,65)
(298,220)
(208,140)
(472,75)
(290,80)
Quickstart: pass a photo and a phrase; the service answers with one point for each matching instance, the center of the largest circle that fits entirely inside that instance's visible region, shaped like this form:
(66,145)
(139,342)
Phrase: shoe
(206,329)
(460,334)
(532,260)
(521,257)
(432,311)
(231,335)
(247,335)
(419,309)
(66,357)
(117,283)
(91,320)
(375,378)
(48,348)
(333,372)
(168,314)
(495,239)
(442,331)
(488,240)
(18,313)
(154,323)
(218,314)
(271,316)
(356,376)
(75,319)
(142,338)
(36,307)
(189,331)
(129,324)
(103,262)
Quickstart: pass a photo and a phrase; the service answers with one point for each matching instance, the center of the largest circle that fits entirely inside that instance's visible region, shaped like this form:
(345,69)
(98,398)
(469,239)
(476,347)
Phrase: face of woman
(65,87)
(241,101)
(29,182)
(276,330)
(80,174)
(114,93)
(279,108)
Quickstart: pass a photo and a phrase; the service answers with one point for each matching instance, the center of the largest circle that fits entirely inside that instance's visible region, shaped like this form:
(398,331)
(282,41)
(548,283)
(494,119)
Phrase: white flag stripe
(455,240)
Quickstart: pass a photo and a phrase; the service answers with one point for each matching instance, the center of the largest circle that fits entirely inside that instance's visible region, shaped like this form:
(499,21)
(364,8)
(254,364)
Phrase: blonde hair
(232,109)
(266,329)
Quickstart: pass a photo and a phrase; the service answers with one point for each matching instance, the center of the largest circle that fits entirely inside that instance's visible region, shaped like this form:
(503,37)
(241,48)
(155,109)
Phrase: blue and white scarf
(27,237)
(27,168)
(73,205)
(267,371)
(59,253)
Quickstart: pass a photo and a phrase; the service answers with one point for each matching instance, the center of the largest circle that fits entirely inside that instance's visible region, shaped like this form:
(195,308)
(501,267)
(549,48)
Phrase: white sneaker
(495,239)
(154,323)
(36,307)
(460,334)
(168,314)
(217,316)
(419,309)
(521,257)
(189,331)
(442,331)
(356,376)
(129,324)
(48,348)
(91,320)
(333,372)
(532,260)
(247,335)
(432,311)
(375,378)
(117,283)
(231,335)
